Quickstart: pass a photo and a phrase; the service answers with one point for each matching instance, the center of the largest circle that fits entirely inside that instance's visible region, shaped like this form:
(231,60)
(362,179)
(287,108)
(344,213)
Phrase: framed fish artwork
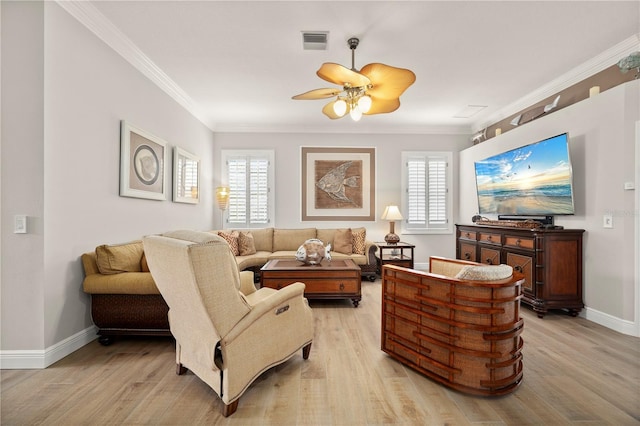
(338,183)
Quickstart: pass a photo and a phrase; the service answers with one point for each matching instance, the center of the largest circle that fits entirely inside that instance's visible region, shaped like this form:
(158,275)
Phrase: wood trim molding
(573,86)
(89,16)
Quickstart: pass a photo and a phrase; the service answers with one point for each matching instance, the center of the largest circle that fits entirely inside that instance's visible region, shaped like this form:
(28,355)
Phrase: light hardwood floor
(575,372)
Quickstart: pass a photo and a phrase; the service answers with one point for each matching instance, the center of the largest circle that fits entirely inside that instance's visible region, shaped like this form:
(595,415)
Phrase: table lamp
(392,213)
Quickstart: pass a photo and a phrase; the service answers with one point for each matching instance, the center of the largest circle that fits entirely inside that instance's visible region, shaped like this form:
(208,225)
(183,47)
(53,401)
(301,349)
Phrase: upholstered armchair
(227,332)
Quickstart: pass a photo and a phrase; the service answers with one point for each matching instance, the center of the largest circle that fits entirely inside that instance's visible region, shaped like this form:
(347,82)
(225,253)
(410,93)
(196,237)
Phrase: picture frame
(186,177)
(338,184)
(143,160)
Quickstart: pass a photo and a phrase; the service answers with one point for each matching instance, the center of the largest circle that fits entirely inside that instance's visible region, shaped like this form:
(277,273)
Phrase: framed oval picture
(143,160)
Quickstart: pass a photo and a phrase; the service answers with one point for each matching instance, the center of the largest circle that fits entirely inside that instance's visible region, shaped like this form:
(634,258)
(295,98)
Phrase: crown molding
(97,23)
(360,129)
(581,72)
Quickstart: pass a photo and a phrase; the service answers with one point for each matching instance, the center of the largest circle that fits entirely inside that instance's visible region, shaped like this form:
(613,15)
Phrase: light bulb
(364,104)
(355,113)
(340,107)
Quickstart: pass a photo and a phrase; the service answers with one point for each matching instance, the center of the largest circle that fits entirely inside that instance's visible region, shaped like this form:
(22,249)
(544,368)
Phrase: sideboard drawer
(487,237)
(468,235)
(518,242)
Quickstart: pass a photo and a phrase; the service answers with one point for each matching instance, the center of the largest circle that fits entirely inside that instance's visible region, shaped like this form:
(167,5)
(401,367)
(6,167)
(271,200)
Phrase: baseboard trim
(609,321)
(39,359)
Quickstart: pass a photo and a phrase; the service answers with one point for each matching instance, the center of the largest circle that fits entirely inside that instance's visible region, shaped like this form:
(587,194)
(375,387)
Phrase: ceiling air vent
(314,40)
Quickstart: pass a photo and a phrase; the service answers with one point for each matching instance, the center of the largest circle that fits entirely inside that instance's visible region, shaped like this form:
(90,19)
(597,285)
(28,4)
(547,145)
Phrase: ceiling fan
(375,89)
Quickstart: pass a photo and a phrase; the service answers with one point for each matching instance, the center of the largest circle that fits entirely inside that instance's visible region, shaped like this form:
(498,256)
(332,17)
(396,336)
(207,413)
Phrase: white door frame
(637,233)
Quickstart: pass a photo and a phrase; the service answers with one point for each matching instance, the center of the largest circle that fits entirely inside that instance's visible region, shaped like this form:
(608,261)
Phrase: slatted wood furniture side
(463,334)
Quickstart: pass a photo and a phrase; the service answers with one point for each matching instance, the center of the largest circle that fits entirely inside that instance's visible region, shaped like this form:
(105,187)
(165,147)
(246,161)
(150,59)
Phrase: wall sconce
(392,213)
(222,197)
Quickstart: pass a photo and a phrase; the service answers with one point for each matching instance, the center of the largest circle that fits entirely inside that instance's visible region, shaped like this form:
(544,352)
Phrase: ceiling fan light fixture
(340,107)
(364,104)
(375,89)
(355,113)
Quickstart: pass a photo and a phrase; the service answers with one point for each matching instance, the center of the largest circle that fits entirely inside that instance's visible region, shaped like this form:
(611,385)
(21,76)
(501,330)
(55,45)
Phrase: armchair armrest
(293,293)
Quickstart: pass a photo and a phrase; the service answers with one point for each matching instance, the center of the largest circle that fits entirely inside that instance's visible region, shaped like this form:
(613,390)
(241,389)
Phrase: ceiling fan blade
(388,82)
(318,94)
(337,74)
(329,112)
(381,106)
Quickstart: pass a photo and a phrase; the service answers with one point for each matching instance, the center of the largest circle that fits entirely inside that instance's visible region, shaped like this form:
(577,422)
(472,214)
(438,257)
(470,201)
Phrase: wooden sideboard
(550,259)
(463,334)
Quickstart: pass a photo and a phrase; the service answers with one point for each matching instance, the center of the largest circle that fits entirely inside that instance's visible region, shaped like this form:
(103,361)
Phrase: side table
(400,254)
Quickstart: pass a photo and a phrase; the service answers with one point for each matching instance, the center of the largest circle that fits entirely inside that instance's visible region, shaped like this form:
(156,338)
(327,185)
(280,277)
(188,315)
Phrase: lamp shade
(391,213)
(222,197)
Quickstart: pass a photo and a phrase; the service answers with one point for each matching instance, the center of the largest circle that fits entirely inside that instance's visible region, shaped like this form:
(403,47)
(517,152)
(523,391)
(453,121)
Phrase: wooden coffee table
(338,279)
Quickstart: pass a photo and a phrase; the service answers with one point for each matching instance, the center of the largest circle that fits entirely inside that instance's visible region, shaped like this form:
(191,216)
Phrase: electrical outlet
(607,221)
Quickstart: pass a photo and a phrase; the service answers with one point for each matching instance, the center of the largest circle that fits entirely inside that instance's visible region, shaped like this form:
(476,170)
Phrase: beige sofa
(126,301)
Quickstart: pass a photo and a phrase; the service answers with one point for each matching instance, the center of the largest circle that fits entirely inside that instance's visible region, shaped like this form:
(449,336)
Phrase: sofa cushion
(484,272)
(291,239)
(358,259)
(359,240)
(118,258)
(343,241)
(232,239)
(262,238)
(246,243)
(129,283)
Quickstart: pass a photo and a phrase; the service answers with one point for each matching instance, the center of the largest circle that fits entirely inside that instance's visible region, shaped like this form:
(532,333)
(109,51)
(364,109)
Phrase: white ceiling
(236,64)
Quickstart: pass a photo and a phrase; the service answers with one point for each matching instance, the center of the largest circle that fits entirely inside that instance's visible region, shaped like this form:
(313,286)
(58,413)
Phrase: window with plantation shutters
(249,175)
(425,189)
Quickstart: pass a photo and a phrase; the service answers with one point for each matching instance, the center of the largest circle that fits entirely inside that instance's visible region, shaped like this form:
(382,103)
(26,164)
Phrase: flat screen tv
(533,180)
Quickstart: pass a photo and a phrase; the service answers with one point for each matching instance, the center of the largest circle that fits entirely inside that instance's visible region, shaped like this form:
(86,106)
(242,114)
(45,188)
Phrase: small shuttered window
(426,195)
(249,175)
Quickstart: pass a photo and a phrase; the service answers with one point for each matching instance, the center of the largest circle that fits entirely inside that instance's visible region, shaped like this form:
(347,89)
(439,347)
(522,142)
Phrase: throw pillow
(484,272)
(343,241)
(359,240)
(232,239)
(114,259)
(246,244)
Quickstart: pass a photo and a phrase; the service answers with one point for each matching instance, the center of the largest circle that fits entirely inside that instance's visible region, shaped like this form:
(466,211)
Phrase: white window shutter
(249,177)
(426,197)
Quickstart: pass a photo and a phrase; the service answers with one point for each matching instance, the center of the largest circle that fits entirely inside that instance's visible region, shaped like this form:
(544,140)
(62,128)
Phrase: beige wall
(64,94)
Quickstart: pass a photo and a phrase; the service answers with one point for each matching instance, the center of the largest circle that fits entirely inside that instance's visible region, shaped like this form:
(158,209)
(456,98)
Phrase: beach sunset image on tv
(534,179)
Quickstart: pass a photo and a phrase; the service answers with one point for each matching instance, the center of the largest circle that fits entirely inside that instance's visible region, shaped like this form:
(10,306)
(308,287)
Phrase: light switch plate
(607,221)
(20,224)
